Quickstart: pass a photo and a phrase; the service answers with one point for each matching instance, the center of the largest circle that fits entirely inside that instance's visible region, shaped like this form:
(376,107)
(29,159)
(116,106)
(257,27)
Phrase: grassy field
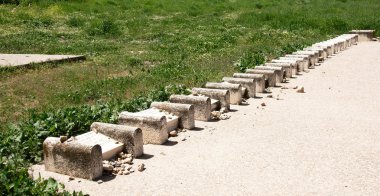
(135,49)
(135,46)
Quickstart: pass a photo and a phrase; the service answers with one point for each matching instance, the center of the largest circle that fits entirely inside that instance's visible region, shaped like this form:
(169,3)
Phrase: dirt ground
(322,142)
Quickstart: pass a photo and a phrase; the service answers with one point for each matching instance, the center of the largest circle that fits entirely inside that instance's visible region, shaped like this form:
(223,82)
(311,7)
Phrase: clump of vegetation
(103,27)
(250,60)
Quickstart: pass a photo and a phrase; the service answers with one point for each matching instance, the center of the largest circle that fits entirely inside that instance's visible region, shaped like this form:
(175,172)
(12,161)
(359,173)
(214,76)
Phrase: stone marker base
(153,126)
(259,79)
(269,75)
(236,92)
(130,137)
(249,85)
(364,35)
(202,105)
(185,112)
(219,94)
(73,159)
(278,71)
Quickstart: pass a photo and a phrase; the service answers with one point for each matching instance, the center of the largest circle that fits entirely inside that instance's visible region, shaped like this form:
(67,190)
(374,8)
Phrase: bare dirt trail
(322,142)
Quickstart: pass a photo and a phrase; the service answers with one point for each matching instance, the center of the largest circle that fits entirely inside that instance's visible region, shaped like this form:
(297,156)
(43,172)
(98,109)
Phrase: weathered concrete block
(307,57)
(312,54)
(321,51)
(202,105)
(304,63)
(110,147)
(154,127)
(248,84)
(222,95)
(364,35)
(130,137)
(184,111)
(269,75)
(236,92)
(288,67)
(258,78)
(278,71)
(298,63)
(352,38)
(73,159)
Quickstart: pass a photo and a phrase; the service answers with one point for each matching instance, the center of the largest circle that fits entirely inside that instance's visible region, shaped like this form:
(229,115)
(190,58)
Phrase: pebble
(125,172)
(100,181)
(128,161)
(71,178)
(131,170)
(173,133)
(141,167)
(300,89)
(107,167)
(270,96)
(216,115)
(224,117)
(263,104)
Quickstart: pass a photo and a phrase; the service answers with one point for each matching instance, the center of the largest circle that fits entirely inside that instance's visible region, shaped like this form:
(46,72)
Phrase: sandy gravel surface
(322,142)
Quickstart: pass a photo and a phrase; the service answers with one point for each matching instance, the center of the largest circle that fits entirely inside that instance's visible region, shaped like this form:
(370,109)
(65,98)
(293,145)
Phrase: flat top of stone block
(110,147)
(362,31)
(155,111)
(14,60)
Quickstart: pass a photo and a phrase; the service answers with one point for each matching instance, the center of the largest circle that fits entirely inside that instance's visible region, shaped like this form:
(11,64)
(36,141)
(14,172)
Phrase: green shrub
(250,60)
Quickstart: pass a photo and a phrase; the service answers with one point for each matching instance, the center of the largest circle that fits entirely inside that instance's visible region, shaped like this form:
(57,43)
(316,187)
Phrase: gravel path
(322,142)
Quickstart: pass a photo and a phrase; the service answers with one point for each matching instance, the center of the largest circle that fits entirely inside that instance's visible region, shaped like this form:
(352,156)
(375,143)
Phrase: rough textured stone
(222,95)
(184,111)
(269,75)
(314,55)
(307,57)
(248,84)
(236,92)
(364,35)
(258,78)
(72,158)
(302,62)
(295,69)
(154,127)
(279,72)
(202,105)
(110,147)
(131,137)
(288,67)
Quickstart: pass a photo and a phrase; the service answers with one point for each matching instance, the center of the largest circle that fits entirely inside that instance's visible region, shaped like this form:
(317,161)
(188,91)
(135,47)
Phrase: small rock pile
(217,115)
(121,165)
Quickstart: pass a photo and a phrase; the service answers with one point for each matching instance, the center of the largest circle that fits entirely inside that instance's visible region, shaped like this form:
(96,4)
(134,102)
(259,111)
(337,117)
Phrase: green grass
(134,49)
(129,44)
